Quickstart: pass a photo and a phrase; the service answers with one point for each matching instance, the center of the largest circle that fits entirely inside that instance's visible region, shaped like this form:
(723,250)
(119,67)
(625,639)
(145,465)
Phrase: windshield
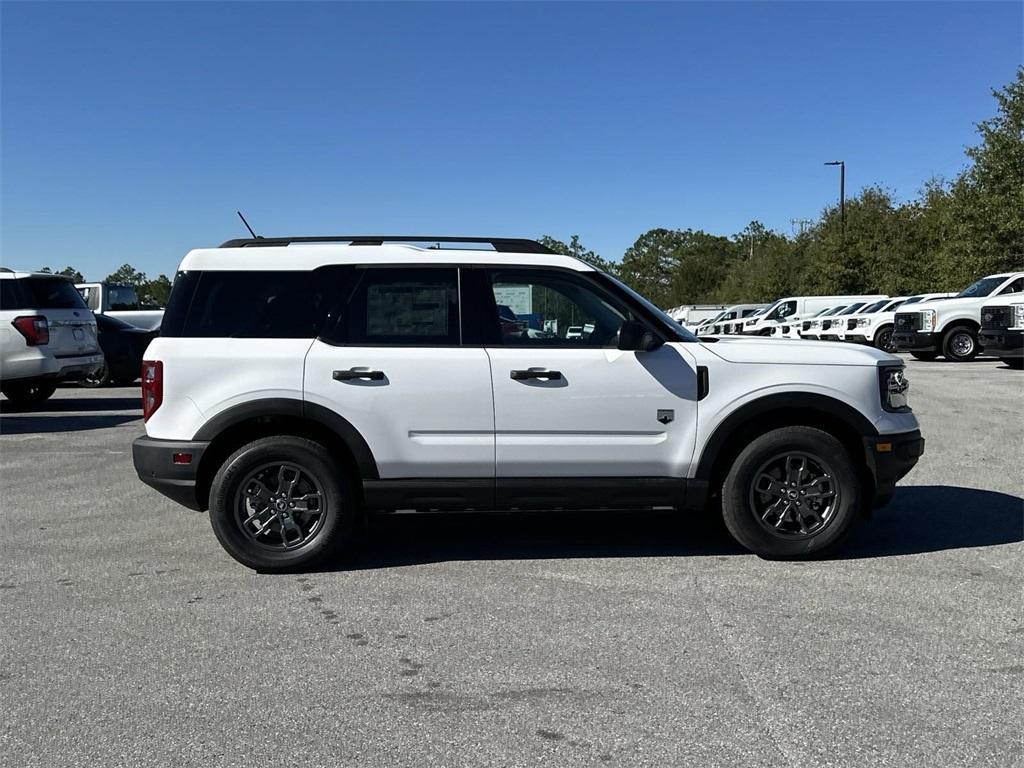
(983,287)
(894,305)
(121,297)
(781,310)
(852,308)
(874,307)
(914,299)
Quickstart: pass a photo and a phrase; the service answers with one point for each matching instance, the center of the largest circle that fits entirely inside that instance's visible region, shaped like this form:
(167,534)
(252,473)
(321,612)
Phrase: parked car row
(48,334)
(986,317)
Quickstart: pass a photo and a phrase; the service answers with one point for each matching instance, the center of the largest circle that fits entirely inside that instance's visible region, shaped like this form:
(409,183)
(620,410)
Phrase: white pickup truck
(120,301)
(949,327)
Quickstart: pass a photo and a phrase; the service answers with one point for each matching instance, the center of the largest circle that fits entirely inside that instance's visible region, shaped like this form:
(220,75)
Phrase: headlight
(1018,315)
(927,319)
(894,389)
(861,322)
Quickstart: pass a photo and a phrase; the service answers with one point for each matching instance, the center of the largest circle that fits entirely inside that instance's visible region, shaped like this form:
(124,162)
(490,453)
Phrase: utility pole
(842,191)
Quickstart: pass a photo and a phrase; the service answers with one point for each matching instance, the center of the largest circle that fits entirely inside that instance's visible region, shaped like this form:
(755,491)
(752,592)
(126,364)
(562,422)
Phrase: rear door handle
(535,374)
(353,374)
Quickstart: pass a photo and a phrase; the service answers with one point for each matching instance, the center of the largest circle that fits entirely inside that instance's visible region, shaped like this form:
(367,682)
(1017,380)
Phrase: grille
(851,324)
(908,321)
(996,317)
(826,324)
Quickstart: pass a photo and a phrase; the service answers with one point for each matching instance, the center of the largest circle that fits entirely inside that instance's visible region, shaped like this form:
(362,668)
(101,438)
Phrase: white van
(794,308)
(720,324)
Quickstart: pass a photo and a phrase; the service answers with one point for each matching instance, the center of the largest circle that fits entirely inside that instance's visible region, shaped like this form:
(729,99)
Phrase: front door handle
(535,374)
(353,374)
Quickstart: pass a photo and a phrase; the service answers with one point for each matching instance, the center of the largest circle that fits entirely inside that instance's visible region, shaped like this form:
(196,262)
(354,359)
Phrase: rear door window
(398,306)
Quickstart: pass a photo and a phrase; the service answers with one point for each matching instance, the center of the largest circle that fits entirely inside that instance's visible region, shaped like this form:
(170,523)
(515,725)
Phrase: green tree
(156,291)
(576,249)
(71,272)
(126,274)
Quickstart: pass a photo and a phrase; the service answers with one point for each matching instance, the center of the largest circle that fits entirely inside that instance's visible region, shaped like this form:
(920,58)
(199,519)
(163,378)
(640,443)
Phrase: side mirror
(635,336)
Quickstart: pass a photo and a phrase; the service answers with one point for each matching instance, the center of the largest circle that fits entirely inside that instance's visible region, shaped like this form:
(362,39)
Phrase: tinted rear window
(266,305)
(40,293)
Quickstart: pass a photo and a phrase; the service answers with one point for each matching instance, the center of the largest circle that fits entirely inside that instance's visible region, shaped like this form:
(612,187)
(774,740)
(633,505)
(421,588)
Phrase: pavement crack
(758,702)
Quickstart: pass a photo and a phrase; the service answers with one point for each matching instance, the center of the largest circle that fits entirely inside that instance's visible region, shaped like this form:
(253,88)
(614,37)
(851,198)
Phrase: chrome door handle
(353,374)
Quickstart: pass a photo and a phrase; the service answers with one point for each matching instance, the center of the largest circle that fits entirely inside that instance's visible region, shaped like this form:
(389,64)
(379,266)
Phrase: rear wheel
(30,392)
(960,344)
(1013,362)
(792,492)
(280,504)
(883,339)
(924,355)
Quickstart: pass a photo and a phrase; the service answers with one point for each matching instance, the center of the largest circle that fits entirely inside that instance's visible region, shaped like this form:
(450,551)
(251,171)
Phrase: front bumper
(1002,343)
(913,341)
(154,463)
(890,458)
(858,338)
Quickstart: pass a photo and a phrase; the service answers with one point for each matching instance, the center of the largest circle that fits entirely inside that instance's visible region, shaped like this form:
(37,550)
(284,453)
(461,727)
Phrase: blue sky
(132,131)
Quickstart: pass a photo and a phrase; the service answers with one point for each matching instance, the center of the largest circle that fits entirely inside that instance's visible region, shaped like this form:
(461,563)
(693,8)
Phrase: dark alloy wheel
(792,492)
(960,344)
(883,339)
(24,394)
(794,495)
(280,504)
(98,378)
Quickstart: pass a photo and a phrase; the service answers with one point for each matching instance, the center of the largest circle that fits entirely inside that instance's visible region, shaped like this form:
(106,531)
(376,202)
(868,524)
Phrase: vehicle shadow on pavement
(25,425)
(932,518)
(395,540)
(78,405)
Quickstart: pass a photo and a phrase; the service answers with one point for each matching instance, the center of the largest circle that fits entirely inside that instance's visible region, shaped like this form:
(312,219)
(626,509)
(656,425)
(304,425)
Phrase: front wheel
(792,492)
(960,344)
(28,393)
(883,339)
(98,378)
(281,503)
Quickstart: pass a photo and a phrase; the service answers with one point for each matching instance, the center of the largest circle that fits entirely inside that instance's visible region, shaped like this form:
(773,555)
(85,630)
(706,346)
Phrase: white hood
(740,349)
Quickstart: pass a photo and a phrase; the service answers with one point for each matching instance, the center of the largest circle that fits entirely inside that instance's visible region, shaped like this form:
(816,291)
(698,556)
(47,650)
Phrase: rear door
(390,361)
(571,406)
(71,323)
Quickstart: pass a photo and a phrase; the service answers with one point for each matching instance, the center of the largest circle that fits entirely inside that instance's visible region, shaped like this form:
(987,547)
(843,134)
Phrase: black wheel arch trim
(293,408)
(806,401)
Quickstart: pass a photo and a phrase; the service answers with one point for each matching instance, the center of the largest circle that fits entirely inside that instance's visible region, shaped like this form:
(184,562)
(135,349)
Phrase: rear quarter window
(266,305)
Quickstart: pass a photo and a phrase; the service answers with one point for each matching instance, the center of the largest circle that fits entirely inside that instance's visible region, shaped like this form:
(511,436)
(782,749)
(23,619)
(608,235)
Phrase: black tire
(98,378)
(883,339)
(329,531)
(742,500)
(924,355)
(30,392)
(960,344)
(1013,362)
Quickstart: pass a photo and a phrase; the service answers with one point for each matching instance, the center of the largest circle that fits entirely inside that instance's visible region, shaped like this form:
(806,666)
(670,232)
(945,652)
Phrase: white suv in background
(295,387)
(950,326)
(47,334)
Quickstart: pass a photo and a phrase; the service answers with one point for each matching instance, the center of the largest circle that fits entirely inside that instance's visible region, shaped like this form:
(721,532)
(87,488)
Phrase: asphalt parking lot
(130,638)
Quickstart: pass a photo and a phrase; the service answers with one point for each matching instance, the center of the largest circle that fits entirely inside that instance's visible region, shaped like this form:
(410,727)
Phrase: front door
(567,402)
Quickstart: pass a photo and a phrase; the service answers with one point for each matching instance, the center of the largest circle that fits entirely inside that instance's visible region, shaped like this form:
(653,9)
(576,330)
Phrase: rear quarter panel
(204,377)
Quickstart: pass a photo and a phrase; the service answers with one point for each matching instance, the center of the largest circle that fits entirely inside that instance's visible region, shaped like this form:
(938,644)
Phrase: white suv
(296,385)
(47,334)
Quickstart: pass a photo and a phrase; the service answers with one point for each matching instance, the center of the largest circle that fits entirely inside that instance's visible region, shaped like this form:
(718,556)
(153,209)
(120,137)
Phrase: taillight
(34,328)
(152,387)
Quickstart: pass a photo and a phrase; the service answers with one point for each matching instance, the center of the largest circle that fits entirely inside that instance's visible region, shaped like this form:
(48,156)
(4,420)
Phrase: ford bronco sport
(299,383)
